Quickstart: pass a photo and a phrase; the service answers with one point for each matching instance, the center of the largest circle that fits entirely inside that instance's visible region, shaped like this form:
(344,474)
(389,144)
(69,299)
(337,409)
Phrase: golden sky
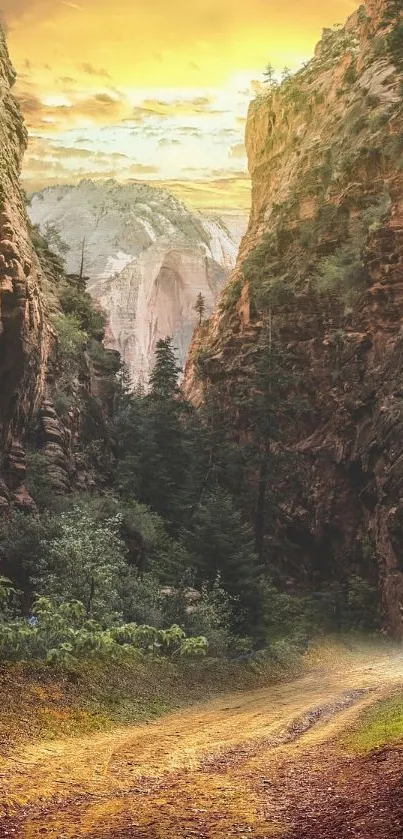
(151,89)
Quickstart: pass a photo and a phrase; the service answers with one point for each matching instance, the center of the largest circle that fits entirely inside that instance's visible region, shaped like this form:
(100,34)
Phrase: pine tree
(164,379)
(222,544)
(158,465)
(269,74)
(200,306)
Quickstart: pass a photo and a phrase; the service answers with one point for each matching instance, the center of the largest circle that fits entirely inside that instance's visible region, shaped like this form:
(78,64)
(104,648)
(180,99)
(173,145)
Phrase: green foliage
(200,306)
(76,302)
(296,96)
(210,613)
(230,296)
(71,338)
(158,445)
(342,273)
(39,482)
(7,598)
(360,124)
(363,607)
(345,606)
(54,240)
(21,538)
(61,634)
(378,46)
(84,560)
(350,76)
(222,544)
(378,726)
(164,377)
(395,43)
(269,75)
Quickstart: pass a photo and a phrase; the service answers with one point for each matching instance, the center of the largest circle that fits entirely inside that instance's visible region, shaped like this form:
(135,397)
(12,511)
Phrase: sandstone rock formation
(146,256)
(322,261)
(30,282)
(24,338)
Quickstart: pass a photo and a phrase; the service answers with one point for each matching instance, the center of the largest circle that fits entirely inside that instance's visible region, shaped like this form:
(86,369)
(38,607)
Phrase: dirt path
(206,772)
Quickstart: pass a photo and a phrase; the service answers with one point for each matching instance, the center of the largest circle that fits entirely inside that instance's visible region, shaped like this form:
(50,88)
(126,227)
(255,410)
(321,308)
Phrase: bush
(341,273)
(39,483)
(84,560)
(231,295)
(21,538)
(395,43)
(71,338)
(61,634)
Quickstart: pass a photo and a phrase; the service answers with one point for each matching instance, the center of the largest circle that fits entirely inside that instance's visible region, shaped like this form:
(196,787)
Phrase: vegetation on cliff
(315,305)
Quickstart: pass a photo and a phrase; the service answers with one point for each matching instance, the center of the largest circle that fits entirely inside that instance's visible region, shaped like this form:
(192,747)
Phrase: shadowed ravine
(205,772)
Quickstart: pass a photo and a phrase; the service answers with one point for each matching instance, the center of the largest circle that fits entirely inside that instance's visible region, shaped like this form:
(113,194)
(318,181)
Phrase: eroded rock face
(325,154)
(24,340)
(147,258)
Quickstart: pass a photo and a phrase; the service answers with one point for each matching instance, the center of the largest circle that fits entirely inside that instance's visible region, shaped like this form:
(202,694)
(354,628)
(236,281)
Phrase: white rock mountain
(147,258)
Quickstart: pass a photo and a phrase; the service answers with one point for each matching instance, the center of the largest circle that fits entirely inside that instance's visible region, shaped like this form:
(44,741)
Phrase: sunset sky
(150,89)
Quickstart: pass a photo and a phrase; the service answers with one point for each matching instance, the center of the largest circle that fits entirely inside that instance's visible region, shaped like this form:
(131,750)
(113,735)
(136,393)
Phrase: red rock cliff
(23,334)
(323,259)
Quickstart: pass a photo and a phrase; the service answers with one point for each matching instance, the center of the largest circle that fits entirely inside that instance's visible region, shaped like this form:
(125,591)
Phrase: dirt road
(209,772)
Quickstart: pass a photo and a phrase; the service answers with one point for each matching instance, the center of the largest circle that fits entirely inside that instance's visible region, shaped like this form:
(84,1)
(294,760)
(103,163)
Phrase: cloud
(71,5)
(143,169)
(87,68)
(168,141)
(174,107)
(101,108)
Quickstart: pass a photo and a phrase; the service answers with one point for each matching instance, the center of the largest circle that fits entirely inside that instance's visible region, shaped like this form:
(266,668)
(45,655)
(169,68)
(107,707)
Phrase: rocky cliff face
(147,258)
(24,338)
(32,366)
(321,266)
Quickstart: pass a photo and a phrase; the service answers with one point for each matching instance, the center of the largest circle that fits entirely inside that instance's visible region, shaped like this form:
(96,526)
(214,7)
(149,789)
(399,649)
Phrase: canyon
(319,271)
(146,257)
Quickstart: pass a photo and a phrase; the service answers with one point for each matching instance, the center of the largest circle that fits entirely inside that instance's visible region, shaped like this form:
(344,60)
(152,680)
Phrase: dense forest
(164,549)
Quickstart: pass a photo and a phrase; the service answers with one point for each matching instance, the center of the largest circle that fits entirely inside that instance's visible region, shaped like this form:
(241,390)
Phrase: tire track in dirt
(292,732)
(207,772)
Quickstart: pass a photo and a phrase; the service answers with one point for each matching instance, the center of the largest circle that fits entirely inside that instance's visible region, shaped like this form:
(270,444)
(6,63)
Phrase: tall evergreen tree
(200,306)
(161,445)
(164,379)
(222,544)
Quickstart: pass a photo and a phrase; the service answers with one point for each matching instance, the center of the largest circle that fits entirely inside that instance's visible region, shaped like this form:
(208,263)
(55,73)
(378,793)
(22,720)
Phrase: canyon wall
(24,337)
(33,365)
(320,270)
(146,258)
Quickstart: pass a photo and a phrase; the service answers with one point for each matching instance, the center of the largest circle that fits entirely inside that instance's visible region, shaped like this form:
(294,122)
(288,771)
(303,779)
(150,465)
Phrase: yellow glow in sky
(152,90)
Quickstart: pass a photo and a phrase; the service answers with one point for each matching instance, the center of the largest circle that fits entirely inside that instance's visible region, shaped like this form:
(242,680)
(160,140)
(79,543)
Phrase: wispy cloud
(71,5)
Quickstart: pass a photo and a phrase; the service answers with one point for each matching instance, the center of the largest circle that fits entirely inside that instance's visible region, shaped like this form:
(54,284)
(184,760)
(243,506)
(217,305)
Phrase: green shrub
(84,560)
(72,339)
(231,295)
(350,75)
(360,124)
(373,100)
(61,634)
(39,483)
(342,273)
(379,46)
(395,43)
